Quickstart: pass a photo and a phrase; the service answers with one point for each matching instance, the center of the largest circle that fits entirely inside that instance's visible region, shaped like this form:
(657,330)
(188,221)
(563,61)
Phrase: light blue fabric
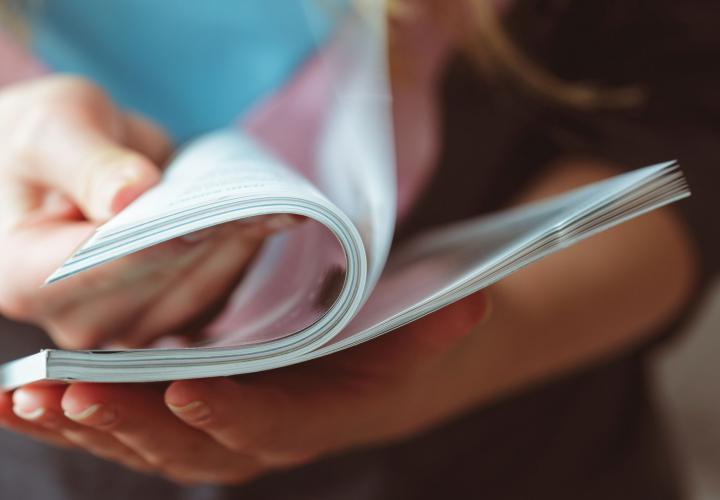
(191,65)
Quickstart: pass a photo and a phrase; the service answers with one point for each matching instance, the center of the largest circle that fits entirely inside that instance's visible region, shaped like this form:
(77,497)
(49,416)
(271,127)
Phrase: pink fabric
(276,122)
(304,101)
(420,47)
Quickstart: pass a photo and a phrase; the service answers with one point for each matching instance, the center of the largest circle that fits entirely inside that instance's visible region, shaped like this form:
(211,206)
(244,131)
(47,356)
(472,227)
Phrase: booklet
(332,282)
(326,285)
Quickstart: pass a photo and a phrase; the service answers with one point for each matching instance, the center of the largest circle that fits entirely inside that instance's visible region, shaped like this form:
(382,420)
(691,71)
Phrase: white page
(223,165)
(433,270)
(354,170)
(300,277)
(356,155)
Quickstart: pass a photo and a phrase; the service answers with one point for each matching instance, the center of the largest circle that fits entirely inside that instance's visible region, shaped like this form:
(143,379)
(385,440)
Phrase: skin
(70,160)
(575,308)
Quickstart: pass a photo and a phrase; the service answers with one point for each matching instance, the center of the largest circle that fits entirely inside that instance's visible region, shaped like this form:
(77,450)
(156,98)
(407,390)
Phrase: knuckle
(101,168)
(46,107)
(99,165)
(111,158)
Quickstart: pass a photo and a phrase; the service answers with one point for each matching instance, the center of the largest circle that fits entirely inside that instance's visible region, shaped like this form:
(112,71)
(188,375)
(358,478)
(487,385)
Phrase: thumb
(449,325)
(97,173)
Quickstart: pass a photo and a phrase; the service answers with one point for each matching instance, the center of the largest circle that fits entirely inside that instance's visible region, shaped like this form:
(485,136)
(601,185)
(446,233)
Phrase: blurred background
(687,371)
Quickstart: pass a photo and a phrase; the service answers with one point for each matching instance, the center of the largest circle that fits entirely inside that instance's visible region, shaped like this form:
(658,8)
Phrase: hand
(69,160)
(233,430)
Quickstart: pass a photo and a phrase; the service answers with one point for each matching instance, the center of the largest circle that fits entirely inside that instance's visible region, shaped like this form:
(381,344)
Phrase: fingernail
(26,406)
(195,411)
(123,197)
(99,415)
(29,415)
(198,236)
(120,188)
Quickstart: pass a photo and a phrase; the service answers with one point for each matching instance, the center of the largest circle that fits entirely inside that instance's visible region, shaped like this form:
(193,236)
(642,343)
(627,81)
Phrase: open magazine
(332,282)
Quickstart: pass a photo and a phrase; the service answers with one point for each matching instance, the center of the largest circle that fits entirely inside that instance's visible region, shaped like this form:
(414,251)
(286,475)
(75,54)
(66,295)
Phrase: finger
(147,138)
(136,416)
(268,421)
(89,307)
(261,416)
(160,291)
(41,405)
(103,303)
(12,422)
(26,264)
(83,157)
(18,200)
(202,289)
(106,303)
(417,344)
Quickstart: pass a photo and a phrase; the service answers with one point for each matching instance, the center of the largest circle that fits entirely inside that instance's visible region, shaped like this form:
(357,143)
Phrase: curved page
(306,284)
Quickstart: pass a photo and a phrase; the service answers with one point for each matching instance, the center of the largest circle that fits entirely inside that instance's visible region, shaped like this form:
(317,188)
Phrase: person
(535,388)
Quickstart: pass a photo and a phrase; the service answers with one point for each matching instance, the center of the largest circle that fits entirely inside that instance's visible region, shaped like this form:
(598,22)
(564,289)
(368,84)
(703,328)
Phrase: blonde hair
(491,48)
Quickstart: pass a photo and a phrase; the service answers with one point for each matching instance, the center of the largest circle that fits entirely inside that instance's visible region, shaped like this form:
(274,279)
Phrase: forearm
(576,307)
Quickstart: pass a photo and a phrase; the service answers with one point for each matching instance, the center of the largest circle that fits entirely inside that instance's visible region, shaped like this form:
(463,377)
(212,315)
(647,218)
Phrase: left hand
(231,430)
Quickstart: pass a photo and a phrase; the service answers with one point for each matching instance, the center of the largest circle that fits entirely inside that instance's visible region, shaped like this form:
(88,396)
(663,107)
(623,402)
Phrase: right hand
(69,160)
